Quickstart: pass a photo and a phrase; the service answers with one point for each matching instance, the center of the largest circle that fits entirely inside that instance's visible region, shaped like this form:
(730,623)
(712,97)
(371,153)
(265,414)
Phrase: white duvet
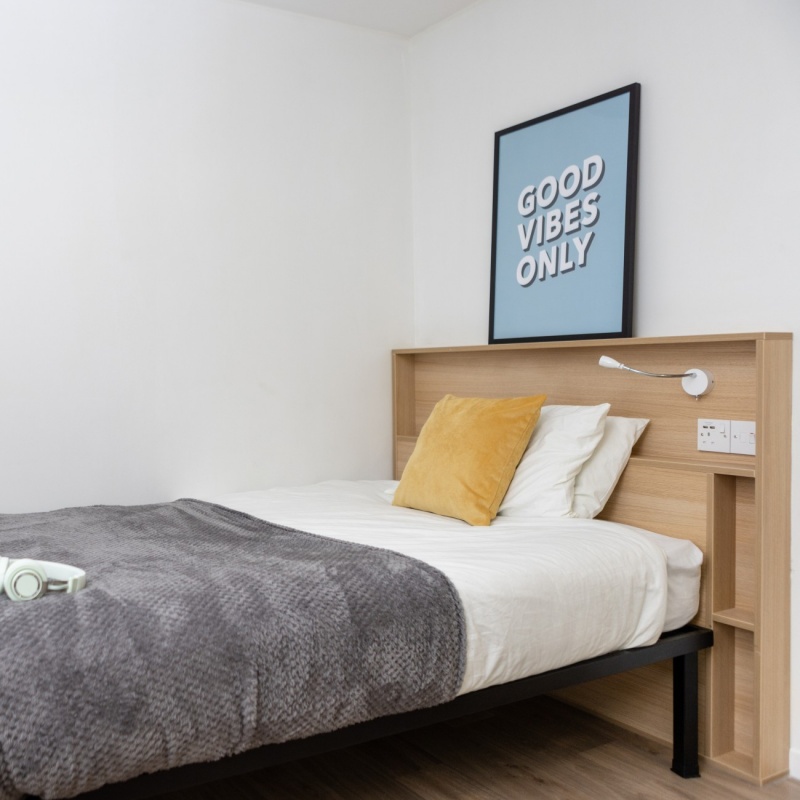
(537,593)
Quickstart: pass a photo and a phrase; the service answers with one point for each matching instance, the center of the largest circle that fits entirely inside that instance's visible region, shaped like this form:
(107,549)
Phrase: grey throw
(204,632)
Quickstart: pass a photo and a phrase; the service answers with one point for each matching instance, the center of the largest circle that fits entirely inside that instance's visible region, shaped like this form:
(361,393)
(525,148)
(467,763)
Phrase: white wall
(719,165)
(204,249)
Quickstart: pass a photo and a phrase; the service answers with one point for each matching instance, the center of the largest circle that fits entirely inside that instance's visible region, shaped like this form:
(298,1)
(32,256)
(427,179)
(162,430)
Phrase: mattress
(537,593)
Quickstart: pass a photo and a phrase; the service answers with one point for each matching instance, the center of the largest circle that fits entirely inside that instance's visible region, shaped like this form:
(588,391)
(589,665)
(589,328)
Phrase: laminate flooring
(537,749)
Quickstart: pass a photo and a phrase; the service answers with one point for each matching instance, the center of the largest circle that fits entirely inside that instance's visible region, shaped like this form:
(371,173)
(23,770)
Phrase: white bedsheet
(537,593)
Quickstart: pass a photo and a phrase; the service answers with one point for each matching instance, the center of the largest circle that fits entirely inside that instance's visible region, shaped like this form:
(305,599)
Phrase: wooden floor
(538,749)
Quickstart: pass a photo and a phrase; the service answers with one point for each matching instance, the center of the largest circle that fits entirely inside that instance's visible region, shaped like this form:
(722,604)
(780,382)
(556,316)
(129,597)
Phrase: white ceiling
(401,17)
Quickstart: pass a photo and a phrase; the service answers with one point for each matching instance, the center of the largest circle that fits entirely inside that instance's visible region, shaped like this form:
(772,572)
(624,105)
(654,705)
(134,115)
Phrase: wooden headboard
(734,507)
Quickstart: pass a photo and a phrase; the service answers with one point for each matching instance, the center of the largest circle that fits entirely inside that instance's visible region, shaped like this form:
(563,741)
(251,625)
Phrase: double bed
(225,633)
(537,593)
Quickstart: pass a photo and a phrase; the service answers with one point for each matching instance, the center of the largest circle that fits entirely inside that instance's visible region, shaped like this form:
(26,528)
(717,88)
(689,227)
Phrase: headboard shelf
(725,338)
(734,507)
(742,469)
(736,617)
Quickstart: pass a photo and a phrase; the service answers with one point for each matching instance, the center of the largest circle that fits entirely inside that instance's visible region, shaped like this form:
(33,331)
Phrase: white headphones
(26,579)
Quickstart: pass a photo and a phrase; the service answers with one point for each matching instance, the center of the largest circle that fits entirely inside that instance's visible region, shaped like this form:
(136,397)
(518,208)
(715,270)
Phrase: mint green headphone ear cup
(25,580)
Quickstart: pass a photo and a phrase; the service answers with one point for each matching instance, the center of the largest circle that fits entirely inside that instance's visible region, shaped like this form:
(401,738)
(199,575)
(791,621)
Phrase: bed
(502,650)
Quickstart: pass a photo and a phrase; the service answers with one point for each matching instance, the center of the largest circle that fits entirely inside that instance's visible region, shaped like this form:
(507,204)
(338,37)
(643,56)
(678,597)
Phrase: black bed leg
(684,716)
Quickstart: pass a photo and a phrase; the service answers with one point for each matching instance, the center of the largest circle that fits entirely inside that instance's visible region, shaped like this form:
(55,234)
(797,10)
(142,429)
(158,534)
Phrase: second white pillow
(563,440)
(600,473)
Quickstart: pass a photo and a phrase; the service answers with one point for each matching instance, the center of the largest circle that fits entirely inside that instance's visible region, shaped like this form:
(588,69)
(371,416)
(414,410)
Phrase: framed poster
(564,223)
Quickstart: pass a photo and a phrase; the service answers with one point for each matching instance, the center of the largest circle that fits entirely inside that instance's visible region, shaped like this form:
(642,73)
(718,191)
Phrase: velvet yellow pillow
(466,455)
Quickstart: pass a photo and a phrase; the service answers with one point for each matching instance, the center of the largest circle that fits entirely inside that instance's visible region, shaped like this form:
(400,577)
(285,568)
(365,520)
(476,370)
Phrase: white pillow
(600,473)
(563,440)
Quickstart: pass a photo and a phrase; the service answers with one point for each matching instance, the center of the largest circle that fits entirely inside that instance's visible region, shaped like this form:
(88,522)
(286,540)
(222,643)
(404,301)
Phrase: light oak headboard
(734,507)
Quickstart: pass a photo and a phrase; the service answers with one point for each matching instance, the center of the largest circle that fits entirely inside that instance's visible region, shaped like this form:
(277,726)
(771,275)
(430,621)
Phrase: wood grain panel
(722,691)
(570,374)
(745,569)
(722,529)
(669,501)
(403,378)
(743,692)
(772,583)
(639,700)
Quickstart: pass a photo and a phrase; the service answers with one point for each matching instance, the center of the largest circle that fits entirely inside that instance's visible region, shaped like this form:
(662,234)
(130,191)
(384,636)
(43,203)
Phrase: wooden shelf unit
(734,507)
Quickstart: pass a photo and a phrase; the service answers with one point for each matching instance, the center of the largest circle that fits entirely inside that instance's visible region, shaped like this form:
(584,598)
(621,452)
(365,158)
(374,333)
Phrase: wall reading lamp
(696,382)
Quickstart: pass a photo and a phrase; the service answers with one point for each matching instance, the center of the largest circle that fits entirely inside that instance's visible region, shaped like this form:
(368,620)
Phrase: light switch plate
(713,435)
(743,437)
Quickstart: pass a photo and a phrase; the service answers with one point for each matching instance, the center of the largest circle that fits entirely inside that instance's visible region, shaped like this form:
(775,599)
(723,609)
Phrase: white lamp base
(697,382)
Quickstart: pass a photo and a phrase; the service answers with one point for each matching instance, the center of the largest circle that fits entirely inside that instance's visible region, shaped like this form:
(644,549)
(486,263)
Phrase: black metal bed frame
(682,646)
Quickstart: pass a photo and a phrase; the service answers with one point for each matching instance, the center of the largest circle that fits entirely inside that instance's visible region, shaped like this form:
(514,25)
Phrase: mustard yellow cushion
(466,455)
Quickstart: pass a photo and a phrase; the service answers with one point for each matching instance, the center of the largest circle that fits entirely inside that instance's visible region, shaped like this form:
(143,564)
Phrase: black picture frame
(564,222)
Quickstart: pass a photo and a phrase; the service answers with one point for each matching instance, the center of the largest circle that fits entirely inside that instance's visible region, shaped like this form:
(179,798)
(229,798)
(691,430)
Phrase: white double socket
(726,436)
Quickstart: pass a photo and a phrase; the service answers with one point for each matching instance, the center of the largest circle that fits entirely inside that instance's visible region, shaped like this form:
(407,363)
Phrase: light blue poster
(564,216)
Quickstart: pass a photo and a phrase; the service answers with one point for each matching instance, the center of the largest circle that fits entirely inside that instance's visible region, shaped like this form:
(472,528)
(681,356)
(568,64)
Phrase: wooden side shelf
(736,617)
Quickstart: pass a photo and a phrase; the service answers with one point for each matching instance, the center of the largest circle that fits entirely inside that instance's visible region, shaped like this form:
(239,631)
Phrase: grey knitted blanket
(204,632)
